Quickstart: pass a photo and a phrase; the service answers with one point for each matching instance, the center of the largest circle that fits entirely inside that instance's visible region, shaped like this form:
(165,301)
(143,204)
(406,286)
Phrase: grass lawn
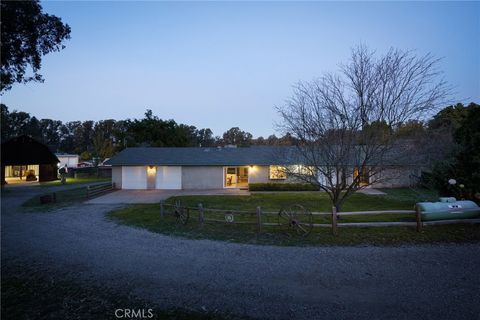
(73,181)
(148,216)
(64,199)
(396,199)
(411,195)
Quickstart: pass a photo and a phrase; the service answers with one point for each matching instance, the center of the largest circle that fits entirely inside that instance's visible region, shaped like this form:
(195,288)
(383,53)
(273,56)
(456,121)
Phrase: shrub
(84,172)
(281,187)
(439,178)
(83,175)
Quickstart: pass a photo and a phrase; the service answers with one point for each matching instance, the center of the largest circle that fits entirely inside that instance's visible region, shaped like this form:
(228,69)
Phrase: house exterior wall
(394,177)
(212,177)
(47,172)
(70,160)
(168,177)
(389,177)
(202,177)
(117,176)
(258,174)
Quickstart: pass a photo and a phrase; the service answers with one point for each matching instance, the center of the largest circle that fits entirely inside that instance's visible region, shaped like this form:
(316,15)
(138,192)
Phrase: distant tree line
(104,138)
(450,140)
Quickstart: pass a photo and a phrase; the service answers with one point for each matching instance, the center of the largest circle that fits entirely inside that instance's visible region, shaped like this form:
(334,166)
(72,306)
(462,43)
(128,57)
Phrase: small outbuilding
(70,160)
(25,159)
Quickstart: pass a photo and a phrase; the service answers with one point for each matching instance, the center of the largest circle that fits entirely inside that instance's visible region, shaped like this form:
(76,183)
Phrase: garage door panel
(134,178)
(169,177)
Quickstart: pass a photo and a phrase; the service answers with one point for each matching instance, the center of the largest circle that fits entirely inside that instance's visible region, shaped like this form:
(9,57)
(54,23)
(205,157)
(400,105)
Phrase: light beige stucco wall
(117,176)
(211,177)
(397,177)
(202,177)
(258,174)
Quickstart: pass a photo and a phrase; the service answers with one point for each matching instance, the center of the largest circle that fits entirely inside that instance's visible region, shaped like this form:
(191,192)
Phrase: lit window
(278,173)
(363,180)
(303,170)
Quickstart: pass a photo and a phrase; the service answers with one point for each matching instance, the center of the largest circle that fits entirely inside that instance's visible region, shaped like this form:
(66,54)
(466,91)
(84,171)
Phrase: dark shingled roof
(256,155)
(24,150)
(402,154)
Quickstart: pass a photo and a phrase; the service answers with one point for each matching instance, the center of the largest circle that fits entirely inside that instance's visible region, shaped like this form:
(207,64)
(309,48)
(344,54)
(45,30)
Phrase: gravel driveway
(415,282)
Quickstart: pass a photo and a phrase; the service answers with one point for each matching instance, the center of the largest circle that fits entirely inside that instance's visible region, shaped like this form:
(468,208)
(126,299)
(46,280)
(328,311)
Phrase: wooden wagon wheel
(297,218)
(181,213)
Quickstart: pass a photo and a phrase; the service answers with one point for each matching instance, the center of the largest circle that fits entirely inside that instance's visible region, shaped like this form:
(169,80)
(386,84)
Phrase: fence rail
(99,189)
(376,212)
(259,215)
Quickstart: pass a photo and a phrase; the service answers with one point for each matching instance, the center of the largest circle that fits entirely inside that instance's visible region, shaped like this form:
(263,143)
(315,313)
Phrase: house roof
(255,155)
(24,150)
(242,156)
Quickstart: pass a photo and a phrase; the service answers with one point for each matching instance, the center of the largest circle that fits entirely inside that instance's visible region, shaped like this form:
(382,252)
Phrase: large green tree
(5,124)
(235,136)
(205,138)
(16,123)
(27,34)
(463,161)
(50,131)
(467,160)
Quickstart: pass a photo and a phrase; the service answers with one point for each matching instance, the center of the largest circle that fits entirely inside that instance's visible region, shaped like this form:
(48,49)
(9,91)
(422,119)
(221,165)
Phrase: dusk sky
(219,65)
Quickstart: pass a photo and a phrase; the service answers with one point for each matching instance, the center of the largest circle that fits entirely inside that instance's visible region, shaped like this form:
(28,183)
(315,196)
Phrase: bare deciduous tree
(345,123)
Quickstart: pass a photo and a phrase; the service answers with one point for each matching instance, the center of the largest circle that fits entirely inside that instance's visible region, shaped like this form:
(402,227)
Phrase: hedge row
(89,172)
(281,187)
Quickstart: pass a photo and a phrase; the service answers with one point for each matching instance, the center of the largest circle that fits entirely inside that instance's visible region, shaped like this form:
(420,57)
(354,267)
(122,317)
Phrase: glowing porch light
(151,170)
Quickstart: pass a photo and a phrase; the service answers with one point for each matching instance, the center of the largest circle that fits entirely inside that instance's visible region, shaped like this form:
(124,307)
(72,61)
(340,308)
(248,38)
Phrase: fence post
(334,220)
(259,219)
(418,217)
(162,208)
(200,214)
(88,192)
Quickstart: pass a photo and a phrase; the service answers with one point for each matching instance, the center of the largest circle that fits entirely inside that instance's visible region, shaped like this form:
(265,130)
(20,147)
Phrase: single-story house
(25,159)
(215,168)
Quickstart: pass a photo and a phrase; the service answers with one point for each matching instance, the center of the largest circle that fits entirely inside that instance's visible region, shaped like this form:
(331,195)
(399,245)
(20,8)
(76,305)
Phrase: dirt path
(416,282)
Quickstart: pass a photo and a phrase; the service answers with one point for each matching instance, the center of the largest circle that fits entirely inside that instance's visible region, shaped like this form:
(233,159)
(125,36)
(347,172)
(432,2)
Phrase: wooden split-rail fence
(296,217)
(91,191)
(99,189)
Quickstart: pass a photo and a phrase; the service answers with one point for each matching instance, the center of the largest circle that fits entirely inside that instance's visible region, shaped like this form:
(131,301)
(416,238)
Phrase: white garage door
(134,178)
(169,177)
